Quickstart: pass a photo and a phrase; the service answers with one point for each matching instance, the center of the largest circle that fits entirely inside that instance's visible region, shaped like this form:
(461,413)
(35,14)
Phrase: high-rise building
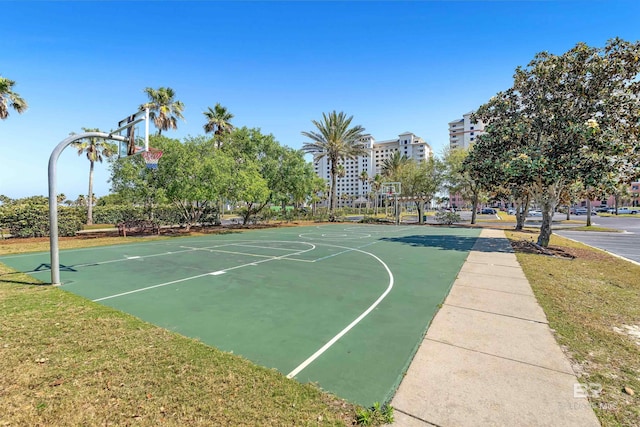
(463,132)
(354,188)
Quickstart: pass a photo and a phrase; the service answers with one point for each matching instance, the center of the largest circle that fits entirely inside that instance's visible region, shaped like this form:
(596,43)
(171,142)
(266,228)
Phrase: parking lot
(625,243)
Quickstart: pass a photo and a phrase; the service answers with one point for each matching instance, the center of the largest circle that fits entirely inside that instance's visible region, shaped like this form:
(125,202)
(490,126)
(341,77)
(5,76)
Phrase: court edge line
(351,325)
(203,275)
(137,257)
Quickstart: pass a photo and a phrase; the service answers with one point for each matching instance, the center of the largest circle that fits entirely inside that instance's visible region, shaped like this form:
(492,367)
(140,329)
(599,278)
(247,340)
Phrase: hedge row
(32,220)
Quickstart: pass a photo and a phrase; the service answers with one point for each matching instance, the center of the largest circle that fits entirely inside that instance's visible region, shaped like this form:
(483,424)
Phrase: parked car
(625,210)
(583,211)
(602,209)
(488,211)
(535,213)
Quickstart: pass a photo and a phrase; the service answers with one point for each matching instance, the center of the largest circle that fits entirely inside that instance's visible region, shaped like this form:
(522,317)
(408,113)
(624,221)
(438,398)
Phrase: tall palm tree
(364,177)
(95,149)
(336,141)
(376,185)
(392,165)
(218,122)
(164,110)
(8,98)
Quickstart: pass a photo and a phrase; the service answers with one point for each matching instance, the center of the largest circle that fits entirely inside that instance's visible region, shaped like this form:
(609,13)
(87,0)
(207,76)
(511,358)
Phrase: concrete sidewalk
(489,357)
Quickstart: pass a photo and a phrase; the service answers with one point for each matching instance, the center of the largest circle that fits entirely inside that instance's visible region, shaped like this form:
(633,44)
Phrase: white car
(535,213)
(625,210)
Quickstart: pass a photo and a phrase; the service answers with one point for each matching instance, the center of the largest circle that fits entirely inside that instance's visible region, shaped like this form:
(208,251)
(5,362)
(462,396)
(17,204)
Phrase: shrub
(447,217)
(32,220)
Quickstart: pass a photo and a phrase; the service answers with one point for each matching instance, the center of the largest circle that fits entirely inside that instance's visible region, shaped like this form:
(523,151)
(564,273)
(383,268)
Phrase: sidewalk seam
(501,357)
(498,314)
(496,290)
(416,417)
(491,275)
(494,264)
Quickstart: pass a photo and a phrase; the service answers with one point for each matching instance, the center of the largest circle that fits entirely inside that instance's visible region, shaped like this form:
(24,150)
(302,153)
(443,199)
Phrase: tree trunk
(474,207)
(521,214)
(545,229)
(588,212)
(90,197)
(333,193)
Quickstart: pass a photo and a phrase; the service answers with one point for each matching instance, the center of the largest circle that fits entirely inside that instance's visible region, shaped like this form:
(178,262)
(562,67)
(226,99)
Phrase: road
(625,244)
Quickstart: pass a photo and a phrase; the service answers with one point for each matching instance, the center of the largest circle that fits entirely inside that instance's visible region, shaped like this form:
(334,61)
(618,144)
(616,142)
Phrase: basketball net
(151,158)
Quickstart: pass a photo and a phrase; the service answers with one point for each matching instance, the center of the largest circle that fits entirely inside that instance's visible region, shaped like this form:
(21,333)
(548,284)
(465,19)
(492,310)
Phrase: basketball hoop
(151,158)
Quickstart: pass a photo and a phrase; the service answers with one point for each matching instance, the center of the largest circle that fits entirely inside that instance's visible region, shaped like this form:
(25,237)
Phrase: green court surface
(344,306)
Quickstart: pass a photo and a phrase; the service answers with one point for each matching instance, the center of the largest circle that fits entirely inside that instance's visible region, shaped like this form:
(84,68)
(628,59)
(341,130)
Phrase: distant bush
(447,217)
(32,219)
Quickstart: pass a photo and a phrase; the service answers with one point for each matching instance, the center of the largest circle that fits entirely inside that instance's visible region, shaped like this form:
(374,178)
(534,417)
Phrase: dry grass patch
(68,361)
(592,301)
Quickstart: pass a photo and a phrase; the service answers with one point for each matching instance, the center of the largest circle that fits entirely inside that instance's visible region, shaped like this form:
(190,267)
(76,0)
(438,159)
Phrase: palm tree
(364,177)
(336,141)
(218,122)
(8,98)
(95,149)
(392,165)
(163,109)
(376,185)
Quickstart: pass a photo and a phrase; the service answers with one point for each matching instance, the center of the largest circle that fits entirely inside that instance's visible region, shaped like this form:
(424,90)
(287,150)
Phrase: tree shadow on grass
(455,243)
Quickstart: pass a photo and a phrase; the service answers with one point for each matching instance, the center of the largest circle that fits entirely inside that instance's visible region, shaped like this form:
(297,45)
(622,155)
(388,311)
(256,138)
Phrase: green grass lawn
(593,303)
(68,361)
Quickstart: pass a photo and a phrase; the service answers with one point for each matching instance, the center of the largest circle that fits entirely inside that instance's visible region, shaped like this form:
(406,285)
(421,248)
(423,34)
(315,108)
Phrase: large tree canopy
(567,117)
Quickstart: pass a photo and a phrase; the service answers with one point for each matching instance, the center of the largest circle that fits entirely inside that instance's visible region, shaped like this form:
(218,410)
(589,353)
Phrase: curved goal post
(126,125)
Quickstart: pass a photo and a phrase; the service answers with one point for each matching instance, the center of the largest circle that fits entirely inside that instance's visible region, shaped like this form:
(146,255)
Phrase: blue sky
(395,66)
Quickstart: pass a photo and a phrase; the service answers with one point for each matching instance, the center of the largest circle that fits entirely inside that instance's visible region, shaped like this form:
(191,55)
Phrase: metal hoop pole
(53,202)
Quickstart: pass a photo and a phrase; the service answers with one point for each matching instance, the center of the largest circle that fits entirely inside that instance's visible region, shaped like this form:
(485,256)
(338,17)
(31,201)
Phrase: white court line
(239,253)
(351,325)
(151,287)
(205,274)
(127,258)
(343,252)
(265,247)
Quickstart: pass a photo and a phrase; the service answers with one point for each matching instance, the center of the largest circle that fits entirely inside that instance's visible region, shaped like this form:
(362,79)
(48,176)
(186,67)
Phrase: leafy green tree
(276,164)
(218,122)
(195,177)
(134,183)
(10,99)
(421,180)
(164,110)
(336,140)
(95,149)
(465,179)
(580,112)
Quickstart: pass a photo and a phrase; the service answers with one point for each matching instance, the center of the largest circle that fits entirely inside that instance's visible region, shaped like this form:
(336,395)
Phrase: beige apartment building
(352,185)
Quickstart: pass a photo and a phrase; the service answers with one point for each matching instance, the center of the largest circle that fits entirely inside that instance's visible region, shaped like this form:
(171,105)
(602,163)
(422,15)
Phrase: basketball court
(344,306)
